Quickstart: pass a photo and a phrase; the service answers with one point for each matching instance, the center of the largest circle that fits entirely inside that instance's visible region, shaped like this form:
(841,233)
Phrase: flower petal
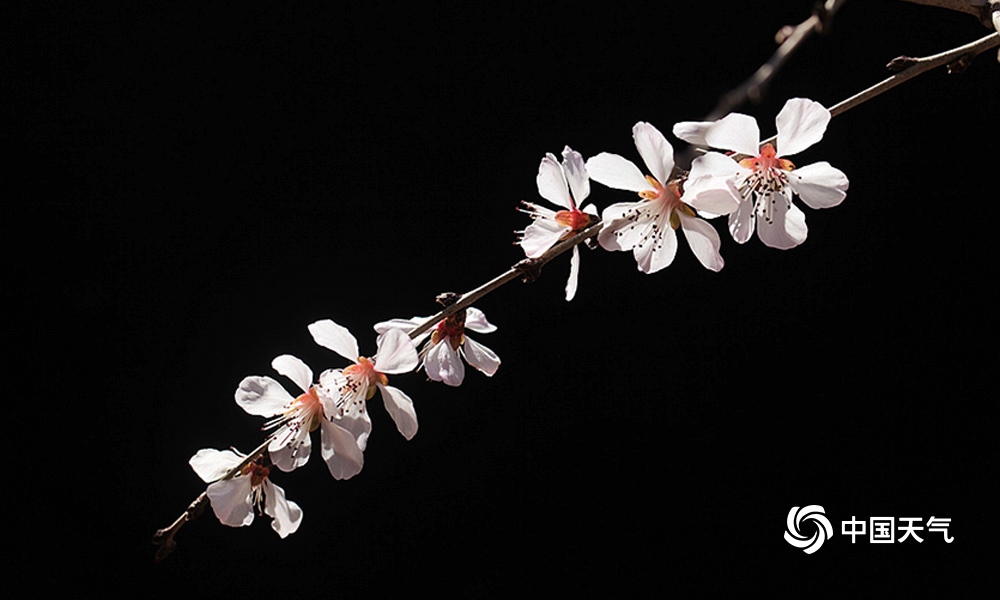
(287,516)
(621,230)
(230,501)
(262,396)
(737,132)
(396,352)
(443,364)
(711,185)
(335,337)
(655,150)
(576,175)
(475,320)
(211,464)
(693,132)
(293,368)
(819,185)
(741,222)
(656,254)
(801,123)
(480,357)
(787,227)
(552,182)
(616,172)
(539,236)
(340,450)
(574,274)
(400,408)
(289,457)
(704,242)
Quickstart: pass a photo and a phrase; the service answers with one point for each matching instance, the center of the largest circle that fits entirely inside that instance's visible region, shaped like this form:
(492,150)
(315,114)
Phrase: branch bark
(978,8)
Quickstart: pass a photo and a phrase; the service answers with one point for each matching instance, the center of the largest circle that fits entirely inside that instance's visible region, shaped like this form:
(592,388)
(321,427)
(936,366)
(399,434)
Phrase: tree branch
(978,8)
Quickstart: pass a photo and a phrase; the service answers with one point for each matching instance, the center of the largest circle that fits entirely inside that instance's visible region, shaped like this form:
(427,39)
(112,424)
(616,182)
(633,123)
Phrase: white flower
(293,418)
(764,181)
(447,345)
(647,227)
(235,499)
(564,185)
(351,387)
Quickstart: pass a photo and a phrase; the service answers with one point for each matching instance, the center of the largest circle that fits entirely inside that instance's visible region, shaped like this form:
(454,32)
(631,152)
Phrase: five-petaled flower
(648,227)
(761,179)
(447,344)
(566,185)
(235,499)
(351,387)
(293,418)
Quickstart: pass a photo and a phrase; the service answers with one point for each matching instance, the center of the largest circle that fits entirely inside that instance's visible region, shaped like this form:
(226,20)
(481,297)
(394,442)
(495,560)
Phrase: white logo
(808,513)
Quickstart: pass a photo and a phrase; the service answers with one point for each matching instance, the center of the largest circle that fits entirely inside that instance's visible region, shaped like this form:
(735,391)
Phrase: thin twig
(791,38)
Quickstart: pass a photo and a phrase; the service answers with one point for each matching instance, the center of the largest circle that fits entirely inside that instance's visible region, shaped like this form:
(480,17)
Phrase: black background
(194,185)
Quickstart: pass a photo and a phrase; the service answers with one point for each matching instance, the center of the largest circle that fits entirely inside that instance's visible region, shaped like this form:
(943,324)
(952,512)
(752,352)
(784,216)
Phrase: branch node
(530,269)
(446,299)
(901,63)
(960,64)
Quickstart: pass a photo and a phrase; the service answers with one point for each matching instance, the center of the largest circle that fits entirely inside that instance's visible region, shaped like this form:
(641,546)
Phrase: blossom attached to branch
(234,499)
(350,388)
(763,180)
(566,185)
(447,344)
(293,418)
(647,227)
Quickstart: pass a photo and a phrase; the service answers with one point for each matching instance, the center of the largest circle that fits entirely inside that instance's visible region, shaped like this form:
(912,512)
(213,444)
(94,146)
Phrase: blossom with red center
(235,499)
(447,345)
(648,227)
(762,180)
(292,419)
(566,185)
(348,389)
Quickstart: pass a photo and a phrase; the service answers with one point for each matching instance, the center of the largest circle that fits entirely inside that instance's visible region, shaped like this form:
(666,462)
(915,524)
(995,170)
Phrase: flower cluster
(751,183)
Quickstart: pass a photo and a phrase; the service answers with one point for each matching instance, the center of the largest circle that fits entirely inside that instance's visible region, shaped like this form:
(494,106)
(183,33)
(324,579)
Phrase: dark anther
(447,298)
(530,268)
(901,63)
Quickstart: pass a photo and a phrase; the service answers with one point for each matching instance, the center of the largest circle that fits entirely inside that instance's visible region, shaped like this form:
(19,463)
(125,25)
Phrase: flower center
(452,328)
(575,219)
(257,472)
(364,373)
(769,171)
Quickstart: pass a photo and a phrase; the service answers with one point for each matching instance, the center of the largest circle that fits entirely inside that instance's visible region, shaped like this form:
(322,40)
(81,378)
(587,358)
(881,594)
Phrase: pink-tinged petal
(617,172)
(406,325)
(711,184)
(293,368)
(211,464)
(335,337)
(442,363)
(787,227)
(359,424)
(287,516)
(539,236)
(400,408)
(288,458)
(230,501)
(480,357)
(655,150)
(819,185)
(552,182)
(576,175)
(741,222)
(574,274)
(340,450)
(476,320)
(621,230)
(656,254)
(737,132)
(704,242)
(801,123)
(262,396)
(396,353)
(693,132)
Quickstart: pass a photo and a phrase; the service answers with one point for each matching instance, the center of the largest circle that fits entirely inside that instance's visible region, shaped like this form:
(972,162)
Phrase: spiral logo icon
(794,534)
